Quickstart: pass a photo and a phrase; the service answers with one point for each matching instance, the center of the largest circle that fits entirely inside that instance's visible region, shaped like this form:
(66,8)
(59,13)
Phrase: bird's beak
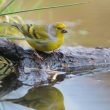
(64,31)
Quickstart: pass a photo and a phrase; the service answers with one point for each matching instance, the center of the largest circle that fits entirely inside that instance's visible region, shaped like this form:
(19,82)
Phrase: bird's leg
(38,56)
(33,54)
(57,52)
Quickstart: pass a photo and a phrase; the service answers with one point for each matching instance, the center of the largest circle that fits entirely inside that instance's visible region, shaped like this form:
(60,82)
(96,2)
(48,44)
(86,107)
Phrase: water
(93,29)
(86,92)
(92,18)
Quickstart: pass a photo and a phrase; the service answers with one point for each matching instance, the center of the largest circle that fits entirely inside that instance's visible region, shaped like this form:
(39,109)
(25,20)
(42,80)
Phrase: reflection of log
(70,60)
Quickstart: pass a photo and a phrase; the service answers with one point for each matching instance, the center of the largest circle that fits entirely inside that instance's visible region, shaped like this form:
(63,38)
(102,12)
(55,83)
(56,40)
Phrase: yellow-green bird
(48,37)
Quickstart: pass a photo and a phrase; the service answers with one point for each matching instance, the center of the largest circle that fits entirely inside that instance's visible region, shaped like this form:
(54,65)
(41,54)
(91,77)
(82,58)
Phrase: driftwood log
(55,67)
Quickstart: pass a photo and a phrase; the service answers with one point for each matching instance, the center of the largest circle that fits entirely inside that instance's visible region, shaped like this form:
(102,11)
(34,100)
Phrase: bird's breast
(48,46)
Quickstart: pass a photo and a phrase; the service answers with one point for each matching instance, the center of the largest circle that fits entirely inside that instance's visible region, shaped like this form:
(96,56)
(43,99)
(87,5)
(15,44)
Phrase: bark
(55,66)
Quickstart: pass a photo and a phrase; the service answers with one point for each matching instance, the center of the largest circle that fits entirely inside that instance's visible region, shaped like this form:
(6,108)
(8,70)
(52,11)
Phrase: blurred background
(89,23)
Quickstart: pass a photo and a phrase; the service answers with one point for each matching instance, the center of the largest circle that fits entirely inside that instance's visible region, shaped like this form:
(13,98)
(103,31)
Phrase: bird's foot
(38,56)
(57,53)
(33,54)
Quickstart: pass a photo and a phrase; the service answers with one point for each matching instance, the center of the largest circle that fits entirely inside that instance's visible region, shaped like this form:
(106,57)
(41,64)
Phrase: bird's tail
(14,24)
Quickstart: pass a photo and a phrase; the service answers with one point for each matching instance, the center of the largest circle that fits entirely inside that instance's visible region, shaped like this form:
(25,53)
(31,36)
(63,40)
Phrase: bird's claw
(58,53)
(38,56)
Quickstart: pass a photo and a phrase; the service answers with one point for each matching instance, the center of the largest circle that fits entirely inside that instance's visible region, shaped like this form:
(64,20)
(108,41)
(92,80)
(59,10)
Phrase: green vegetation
(41,8)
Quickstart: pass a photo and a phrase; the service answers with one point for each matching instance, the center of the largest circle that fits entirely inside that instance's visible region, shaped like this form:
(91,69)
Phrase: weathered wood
(69,60)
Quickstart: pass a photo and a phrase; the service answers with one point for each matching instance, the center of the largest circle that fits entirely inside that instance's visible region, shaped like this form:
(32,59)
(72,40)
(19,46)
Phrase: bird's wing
(40,41)
(40,32)
(42,35)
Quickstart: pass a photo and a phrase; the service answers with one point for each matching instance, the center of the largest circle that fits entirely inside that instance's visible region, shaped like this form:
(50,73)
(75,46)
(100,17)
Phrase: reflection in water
(43,98)
(5,105)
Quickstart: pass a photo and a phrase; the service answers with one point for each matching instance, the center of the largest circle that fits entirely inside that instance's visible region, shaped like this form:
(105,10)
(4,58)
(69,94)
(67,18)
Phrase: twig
(5,7)
(22,38)
(44,8)
(15,38)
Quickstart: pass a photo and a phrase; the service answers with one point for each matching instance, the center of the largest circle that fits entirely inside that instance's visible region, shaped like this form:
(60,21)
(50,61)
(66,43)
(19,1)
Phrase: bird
(46,38)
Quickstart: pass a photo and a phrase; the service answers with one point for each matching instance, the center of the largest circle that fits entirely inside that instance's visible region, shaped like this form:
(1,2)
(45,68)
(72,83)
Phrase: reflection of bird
(48,37)
(42,98)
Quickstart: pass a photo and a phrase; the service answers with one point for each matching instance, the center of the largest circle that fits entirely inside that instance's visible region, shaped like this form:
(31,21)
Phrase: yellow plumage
(48,37)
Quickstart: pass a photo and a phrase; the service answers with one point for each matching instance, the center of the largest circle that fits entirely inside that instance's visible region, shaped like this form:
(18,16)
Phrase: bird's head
(56,30)
(60,27)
